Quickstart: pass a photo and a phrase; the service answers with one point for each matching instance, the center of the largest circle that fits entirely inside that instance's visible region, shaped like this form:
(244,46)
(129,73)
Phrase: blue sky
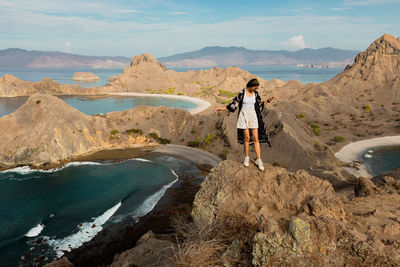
(162,28)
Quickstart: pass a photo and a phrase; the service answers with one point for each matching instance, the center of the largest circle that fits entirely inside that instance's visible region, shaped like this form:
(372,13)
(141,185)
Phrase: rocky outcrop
(85,76)
(149,251)
(296,219)
(11,86)
(377,66)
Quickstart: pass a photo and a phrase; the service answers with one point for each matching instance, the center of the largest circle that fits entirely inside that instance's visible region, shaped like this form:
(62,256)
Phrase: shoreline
(350,152)
(201,104)
(176,198)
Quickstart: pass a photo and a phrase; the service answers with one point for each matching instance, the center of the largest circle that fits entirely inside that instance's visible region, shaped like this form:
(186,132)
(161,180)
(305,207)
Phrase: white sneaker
(246,161)
(259,164)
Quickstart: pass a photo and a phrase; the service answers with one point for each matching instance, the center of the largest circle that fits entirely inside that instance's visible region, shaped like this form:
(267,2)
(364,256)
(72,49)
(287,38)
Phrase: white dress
(248,116)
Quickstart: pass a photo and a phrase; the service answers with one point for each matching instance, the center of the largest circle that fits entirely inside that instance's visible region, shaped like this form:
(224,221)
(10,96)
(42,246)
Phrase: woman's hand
(269,100)
(220,109)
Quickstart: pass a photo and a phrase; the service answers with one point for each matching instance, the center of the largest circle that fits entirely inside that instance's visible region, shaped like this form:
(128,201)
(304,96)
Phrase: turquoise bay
(67,207)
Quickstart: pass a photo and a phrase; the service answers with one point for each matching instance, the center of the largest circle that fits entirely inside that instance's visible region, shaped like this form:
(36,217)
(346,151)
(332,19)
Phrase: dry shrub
(199,253)
(196,244)
(203,245)
(233,225)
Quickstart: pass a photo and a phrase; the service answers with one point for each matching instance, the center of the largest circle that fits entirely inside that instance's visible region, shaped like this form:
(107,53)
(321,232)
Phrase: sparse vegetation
(37,101)
(300,115)
(194,143)
(162,141)
(180,93)
(113,134)
(209,138)
(226,93)
(316,129)
(276,164)
(169,91)
(367,108)
(338,139)
(193,131)
(134,130)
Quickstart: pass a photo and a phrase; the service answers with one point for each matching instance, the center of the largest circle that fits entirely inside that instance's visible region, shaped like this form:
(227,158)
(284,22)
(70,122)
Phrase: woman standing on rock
(250,124)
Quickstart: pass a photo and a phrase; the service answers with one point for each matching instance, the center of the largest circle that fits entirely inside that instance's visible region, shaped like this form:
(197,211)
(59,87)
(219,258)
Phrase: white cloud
(339,8)
(67,46)
(174,13)
(296,42)
(129,11)
(301,9)
(368,2)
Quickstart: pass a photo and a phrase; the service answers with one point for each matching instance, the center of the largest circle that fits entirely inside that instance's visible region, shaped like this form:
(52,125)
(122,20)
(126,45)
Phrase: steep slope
(377,68)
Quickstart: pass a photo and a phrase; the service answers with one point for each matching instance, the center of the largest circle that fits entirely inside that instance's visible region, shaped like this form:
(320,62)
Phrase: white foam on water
(150,202)
(370,151)
(86,232)
(26,169)
(366,155)
(140,159)
(35,231)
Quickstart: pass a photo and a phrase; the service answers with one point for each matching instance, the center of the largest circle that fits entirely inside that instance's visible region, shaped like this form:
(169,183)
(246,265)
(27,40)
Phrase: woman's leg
(246,134)
(254,133)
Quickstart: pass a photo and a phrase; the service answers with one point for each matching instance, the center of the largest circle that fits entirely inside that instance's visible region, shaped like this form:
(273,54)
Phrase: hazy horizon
(164,28)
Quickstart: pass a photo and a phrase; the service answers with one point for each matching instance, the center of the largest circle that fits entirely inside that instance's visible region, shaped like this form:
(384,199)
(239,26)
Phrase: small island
(85,76)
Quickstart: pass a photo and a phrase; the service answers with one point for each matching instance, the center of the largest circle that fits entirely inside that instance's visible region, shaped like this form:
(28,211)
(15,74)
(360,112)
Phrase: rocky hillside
(147,75)
(50,131)
(45,131)
(20,58)
(298,219)
(240,56)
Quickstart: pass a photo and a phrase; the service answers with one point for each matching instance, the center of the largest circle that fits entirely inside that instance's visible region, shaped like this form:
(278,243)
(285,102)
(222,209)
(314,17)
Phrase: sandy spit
(201,104)
(351,151)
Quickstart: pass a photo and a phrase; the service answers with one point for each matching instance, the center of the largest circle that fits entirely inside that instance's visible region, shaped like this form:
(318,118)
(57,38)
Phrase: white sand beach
(351,151)
(201,104)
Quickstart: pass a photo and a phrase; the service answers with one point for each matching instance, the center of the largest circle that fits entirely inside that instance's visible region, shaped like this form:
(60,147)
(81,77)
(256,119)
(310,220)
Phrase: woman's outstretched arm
(220,109)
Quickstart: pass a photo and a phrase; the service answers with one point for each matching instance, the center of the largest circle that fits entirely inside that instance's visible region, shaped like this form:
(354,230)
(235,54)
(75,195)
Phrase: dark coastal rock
(63,262)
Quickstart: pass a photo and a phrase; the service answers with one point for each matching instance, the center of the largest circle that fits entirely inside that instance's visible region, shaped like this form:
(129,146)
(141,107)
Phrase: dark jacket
(259,107)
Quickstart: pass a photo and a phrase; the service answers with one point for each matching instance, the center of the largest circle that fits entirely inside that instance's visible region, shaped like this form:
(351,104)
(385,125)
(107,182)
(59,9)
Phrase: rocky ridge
(295,219)
(11,86)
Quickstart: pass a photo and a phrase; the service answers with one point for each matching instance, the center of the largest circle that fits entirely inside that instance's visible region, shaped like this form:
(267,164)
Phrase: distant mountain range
(205,57)
(240,56)
(20,58)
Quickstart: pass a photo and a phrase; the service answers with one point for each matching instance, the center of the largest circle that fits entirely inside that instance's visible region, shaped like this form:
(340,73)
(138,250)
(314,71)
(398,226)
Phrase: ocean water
(64,75)
(100,105)
(66,207)
(61,75)
(381,159)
